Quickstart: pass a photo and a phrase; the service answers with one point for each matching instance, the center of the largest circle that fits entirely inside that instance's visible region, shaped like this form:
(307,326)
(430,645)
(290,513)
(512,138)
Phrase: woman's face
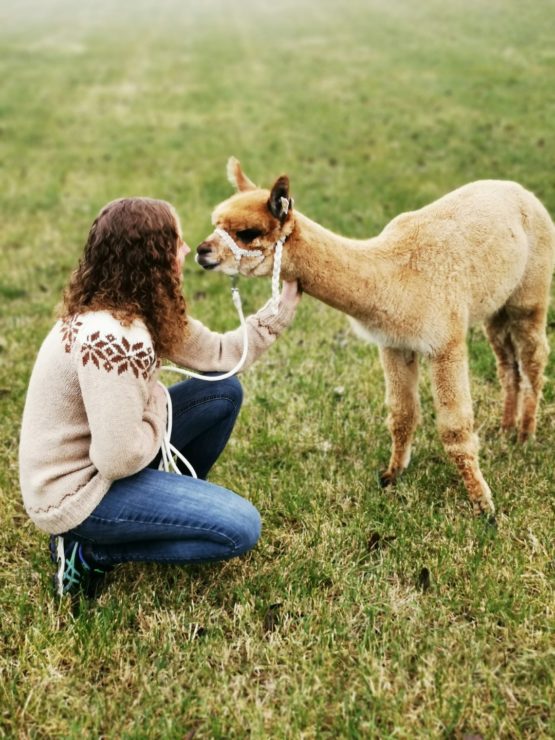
(183,249)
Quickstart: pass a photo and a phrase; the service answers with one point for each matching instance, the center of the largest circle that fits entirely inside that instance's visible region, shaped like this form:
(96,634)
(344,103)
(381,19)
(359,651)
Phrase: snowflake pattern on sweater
(107,351)
(70,329)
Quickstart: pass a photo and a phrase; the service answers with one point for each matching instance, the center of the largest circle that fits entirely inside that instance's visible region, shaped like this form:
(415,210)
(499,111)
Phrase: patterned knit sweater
(95,413)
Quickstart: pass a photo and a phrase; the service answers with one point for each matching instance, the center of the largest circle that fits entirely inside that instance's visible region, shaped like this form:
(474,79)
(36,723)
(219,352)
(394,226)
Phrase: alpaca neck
(347,274)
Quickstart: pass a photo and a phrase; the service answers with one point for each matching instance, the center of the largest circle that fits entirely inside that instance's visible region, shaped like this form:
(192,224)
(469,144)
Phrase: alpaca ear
(280,202)
(237,177)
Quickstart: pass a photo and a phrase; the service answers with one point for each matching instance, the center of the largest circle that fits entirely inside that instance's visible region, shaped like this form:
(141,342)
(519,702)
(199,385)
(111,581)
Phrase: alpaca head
(255,219)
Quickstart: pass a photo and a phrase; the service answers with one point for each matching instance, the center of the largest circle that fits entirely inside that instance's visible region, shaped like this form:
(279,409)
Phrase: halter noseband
(239,252)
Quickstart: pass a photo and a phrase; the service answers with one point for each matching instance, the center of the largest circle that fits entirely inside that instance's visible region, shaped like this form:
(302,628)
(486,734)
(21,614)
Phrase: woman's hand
(290,294)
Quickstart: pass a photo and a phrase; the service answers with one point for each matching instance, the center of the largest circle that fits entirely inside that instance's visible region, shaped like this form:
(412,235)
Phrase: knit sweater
(95,413)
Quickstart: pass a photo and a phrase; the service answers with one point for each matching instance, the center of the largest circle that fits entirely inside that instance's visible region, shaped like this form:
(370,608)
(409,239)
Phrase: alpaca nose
(204,248)
(203,257)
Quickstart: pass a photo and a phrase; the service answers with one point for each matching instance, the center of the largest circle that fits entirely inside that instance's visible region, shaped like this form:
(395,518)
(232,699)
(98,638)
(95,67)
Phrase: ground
(362,612)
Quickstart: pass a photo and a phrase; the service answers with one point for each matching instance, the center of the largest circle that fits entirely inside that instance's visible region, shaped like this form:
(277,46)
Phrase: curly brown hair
(128,268)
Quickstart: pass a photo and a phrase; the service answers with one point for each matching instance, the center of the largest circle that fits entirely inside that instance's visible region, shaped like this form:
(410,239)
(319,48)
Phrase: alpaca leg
(529,337)
(451,389)
(401,387)
(498,333)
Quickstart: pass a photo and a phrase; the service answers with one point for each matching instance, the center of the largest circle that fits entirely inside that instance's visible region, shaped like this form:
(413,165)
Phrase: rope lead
(169,452)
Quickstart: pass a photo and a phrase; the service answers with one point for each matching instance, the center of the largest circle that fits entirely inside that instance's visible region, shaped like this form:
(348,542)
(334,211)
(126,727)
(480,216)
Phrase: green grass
(328,628)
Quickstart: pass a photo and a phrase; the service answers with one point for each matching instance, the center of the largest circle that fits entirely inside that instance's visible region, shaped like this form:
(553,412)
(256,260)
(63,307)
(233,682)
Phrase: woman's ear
(237,177)
(279,202)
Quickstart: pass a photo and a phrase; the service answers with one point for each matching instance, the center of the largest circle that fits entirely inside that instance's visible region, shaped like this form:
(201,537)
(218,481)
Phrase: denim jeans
(154,516)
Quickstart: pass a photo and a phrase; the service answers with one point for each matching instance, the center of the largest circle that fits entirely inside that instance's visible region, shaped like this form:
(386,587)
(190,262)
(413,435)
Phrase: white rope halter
(239,252)
(235,248)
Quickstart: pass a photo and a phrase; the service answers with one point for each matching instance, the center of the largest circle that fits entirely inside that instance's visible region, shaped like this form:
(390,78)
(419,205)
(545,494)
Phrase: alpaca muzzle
(204,251)
(203,257)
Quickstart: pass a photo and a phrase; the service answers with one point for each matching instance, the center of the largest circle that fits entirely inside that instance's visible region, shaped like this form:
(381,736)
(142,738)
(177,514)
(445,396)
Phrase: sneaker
(73,575)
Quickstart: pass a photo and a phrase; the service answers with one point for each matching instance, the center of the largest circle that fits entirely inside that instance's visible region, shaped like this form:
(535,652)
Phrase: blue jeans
(154,516)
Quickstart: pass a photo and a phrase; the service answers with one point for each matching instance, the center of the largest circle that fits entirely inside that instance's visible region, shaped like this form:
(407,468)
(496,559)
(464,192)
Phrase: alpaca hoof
(509,430)
(387,479)
(489,519)
(524,436)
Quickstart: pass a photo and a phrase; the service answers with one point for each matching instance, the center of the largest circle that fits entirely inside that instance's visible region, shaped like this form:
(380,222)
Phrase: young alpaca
(483,253)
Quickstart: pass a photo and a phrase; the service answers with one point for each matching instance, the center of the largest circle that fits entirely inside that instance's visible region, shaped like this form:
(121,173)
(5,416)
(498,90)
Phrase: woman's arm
(125,407)
(206,350)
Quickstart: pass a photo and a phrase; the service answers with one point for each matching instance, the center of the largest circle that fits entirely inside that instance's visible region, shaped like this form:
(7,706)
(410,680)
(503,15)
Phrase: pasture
(362,612)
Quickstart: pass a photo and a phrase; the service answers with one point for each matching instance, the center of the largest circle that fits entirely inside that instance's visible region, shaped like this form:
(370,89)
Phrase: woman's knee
(229,389)
(223,397)
(248,527)
(232,389)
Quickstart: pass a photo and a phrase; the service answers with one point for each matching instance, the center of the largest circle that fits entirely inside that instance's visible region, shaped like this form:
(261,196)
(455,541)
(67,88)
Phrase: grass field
(362,612)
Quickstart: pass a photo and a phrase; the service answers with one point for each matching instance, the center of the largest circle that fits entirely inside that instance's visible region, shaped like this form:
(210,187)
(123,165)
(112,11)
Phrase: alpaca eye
(248,235)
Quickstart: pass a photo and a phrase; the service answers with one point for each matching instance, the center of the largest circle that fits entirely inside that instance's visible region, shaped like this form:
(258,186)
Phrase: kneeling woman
(95,414)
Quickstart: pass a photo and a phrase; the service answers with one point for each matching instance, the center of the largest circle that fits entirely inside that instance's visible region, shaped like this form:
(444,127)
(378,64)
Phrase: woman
(95,415)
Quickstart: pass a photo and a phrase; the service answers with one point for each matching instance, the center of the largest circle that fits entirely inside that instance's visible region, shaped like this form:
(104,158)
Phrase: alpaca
(482,253)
